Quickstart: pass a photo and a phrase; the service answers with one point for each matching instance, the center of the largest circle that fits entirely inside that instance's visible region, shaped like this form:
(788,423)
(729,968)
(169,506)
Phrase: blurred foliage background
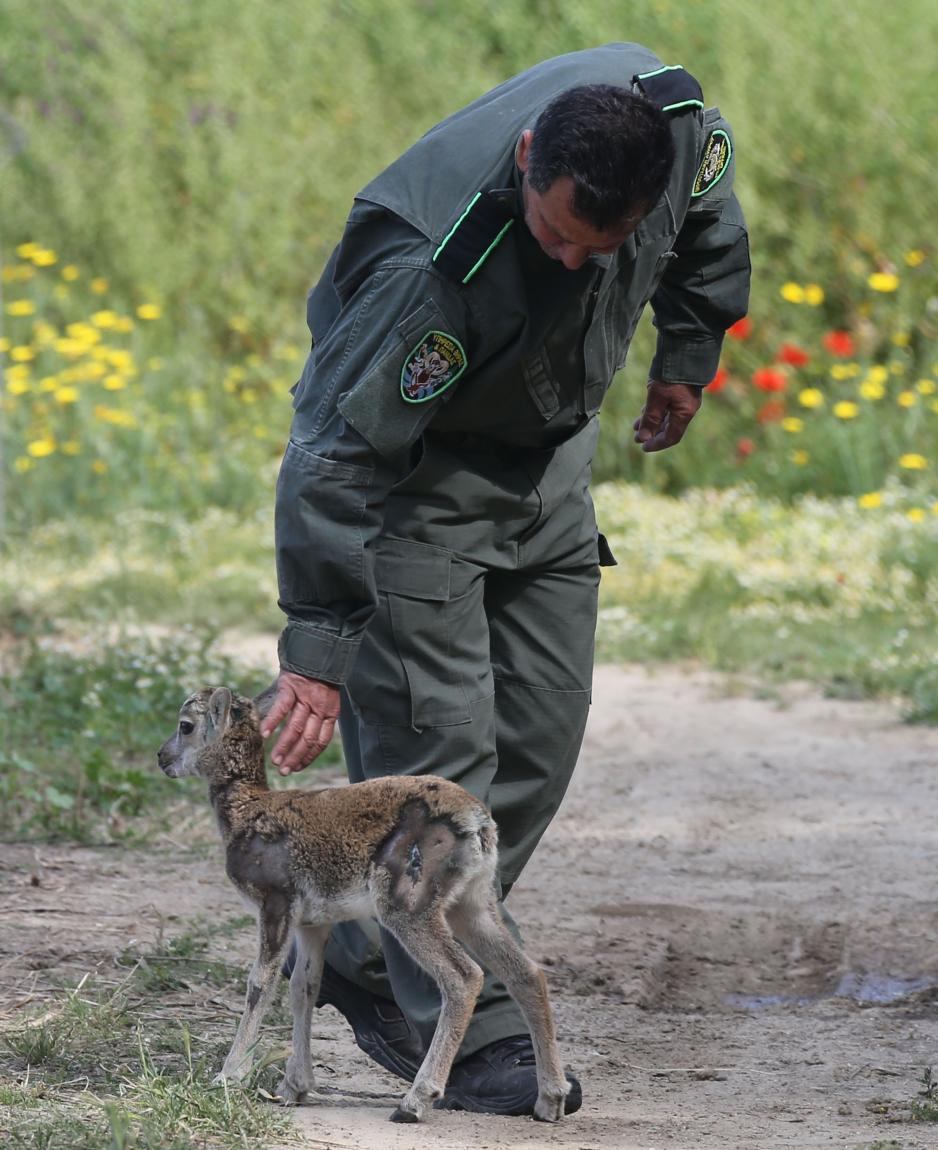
(173,177)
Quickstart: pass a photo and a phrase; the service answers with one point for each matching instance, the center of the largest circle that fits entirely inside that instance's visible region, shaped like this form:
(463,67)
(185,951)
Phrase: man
(437,552)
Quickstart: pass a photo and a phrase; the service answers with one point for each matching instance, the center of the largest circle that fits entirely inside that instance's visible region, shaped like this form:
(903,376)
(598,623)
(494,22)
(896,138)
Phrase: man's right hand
(311,709)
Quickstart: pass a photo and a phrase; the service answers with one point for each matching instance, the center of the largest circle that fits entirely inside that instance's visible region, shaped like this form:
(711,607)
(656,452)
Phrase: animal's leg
(475,921)
(273,920)
(298,1079)
(430,942)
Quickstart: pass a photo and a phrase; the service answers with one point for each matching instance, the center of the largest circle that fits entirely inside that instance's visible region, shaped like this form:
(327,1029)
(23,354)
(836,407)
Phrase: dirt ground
(736,908)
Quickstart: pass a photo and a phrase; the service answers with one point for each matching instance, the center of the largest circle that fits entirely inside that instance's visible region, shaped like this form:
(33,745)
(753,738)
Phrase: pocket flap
(416,570)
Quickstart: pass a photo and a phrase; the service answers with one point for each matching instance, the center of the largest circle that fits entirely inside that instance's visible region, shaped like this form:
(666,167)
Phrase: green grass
(87,1075)
(81,719)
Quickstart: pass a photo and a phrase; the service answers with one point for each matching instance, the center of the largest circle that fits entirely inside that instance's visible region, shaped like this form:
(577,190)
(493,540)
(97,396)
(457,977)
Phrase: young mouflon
(419,853)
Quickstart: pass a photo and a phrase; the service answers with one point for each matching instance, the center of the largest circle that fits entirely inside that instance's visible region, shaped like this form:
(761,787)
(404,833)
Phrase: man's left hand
(668,410)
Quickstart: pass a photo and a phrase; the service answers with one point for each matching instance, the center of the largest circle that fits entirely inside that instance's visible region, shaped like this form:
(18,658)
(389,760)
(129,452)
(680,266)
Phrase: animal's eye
(186,727)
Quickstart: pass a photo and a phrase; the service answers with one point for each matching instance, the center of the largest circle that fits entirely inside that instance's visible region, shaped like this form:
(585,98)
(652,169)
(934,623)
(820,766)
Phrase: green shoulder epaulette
(475,235)
(670,88)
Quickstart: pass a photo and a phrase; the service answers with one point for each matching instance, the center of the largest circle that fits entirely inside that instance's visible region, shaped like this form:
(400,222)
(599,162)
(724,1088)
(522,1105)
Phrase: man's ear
(219,708)
(523,149)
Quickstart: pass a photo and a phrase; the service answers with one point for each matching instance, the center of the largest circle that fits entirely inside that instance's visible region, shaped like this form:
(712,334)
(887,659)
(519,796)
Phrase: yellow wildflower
(99,285)
(124,323)
(792,292)
(44,258)
(27,251)
(23,353)
(870,500)
(44,333)
(21,464)
(114,416)
(4,344)
(844,370)
(901,339)
(914,257)
(104,319)
(792,423)
(870,389)
(41,447)
(18,386)
(877,374)
(811,397)
(18,273)
(66,395)
(925,387)
(149,311)
(114,382)
(813,295)
(239,323)
(799,457)
(51,382)
(907,399)
(916,514)
(70,272)
(846,410)
(21,307)
(934,406)
(99,467)
(883,281)
(120,359)
(70,348)
(913,462)
(84,332)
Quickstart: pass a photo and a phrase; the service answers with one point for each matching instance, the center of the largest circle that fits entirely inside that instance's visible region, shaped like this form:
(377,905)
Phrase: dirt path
(736,907)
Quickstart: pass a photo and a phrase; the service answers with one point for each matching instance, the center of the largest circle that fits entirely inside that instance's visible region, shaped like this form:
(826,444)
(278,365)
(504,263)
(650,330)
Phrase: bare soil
(736,908)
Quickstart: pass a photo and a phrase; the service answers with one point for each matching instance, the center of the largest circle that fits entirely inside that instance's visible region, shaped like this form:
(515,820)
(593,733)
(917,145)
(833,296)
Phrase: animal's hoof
(290,1095)
(400,1115)
(548,1108)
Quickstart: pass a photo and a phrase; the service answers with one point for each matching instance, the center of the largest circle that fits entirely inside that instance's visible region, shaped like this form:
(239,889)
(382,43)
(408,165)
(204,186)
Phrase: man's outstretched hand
(311,709)
(668,410)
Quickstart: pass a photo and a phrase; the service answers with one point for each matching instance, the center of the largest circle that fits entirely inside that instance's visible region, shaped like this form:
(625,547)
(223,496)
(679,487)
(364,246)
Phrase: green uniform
(437,551)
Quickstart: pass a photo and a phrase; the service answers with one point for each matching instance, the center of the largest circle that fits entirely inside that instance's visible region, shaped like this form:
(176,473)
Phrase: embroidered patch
(716,160)
(434,364)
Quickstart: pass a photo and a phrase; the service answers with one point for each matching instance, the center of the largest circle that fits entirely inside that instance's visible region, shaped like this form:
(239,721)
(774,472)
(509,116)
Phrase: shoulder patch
(435,364)
(716,159)
(670,88)
(474,236)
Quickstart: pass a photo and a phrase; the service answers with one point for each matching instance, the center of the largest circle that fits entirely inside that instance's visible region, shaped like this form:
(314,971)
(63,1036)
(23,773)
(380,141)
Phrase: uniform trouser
(477,666)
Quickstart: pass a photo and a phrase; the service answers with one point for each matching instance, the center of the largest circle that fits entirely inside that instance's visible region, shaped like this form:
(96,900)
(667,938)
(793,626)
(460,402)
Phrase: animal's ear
(265,700)
(219,710)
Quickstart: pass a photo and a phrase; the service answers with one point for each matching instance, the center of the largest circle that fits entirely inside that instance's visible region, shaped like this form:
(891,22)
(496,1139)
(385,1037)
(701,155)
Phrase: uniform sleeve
(706,287)
(370,386)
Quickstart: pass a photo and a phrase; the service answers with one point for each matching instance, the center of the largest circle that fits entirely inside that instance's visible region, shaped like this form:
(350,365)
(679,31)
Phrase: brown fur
(418,852)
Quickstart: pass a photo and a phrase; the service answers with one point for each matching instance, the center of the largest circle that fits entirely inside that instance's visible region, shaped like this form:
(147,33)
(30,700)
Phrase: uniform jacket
(437,273)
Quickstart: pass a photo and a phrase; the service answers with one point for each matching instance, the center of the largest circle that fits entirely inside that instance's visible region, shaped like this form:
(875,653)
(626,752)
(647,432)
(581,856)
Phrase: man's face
(550,219)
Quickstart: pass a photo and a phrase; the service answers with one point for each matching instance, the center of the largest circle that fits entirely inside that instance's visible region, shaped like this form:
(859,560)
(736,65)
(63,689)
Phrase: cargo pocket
(408,671)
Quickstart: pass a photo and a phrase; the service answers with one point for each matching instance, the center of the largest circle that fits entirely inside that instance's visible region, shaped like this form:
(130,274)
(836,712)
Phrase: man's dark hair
(614,145)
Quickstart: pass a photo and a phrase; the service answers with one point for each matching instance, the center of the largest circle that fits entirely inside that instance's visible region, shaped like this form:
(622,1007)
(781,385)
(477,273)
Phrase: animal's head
(205,718)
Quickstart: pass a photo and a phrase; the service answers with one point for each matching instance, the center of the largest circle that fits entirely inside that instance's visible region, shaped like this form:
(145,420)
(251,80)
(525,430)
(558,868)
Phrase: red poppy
(744,448)
(840,343)
(771,411)
(741,329)
(719,380)
(793,355)
(769,379)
